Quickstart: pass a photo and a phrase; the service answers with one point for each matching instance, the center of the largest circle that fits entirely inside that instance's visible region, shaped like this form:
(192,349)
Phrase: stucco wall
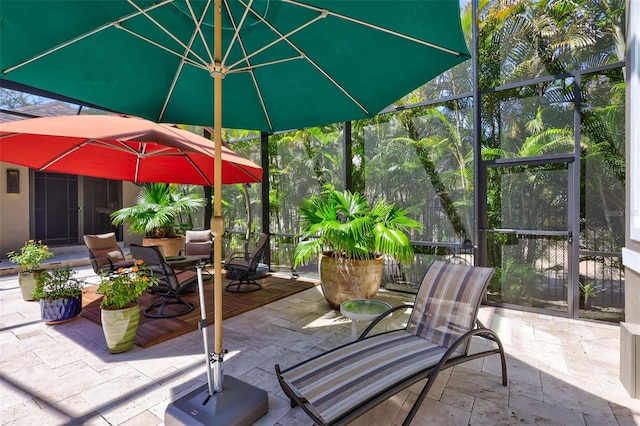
(130,193)
(14,211)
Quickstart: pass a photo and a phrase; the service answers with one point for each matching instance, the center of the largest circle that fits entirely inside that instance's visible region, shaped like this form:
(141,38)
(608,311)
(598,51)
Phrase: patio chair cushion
(105,253)
(355,373)
(447,303)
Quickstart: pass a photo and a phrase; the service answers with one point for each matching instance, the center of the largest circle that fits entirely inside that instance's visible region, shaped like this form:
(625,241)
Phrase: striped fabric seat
(353,374)
(346,381)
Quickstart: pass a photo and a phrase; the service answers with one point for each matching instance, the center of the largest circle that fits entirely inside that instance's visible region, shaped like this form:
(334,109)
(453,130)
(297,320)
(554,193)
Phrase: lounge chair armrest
(381,317)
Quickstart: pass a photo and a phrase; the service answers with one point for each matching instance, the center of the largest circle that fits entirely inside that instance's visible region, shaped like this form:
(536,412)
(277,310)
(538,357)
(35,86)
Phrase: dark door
(100,198)
(528,234)
(56,206)
(59,200)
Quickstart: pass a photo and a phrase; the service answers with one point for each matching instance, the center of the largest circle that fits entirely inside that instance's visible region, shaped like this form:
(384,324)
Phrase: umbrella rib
(173,52)
(169,33)
(375,27)
(202,175)
(250,68)
(83,36)
(97,142)
(61,156)
(265,64)
(281,37)
(198,30)
(285,37)
(236,28)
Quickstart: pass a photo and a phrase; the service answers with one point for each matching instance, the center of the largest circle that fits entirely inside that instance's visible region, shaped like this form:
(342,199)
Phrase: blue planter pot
(60,310)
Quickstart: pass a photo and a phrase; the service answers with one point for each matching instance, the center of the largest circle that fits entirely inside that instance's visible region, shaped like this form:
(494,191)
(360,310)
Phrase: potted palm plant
(60,295)
(30,256)
(119,307)
(158,215)
(350,237)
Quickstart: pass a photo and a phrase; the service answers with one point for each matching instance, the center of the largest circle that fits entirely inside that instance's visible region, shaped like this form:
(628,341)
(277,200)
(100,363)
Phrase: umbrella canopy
(286,64)
(119,147)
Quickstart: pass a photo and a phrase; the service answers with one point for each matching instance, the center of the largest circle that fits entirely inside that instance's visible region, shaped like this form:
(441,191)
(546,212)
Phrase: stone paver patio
(561,371)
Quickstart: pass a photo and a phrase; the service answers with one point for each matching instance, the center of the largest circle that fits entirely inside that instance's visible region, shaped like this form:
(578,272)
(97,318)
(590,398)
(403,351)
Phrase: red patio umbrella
(120,147)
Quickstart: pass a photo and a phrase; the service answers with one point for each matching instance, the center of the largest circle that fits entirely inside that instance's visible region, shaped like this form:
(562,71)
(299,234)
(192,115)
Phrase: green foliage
(348,226)
(159,210)
(31,255)
(589,289)
(58,283)
(123,287)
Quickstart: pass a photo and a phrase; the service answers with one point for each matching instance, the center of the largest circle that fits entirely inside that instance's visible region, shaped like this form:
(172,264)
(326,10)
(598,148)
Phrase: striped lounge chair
(340,385)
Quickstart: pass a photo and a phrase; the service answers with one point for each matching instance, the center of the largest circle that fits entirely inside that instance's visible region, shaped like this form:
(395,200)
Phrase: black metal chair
(171,285)
(242,266)
(105,253)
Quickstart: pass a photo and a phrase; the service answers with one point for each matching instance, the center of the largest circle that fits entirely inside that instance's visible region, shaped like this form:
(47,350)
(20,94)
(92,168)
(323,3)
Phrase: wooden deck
(153,331)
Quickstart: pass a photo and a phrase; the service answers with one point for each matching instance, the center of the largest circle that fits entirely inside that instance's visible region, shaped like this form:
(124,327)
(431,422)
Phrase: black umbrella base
(238,404)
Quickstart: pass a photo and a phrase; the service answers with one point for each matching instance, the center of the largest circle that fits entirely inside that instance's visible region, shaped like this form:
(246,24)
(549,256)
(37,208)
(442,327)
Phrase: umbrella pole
(217,223)
(240,403)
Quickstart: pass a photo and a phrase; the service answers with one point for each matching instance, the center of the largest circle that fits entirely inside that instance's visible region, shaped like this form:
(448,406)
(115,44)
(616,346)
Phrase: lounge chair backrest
(447,302)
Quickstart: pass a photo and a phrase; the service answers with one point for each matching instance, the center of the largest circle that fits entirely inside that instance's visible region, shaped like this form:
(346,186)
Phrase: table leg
(354,330)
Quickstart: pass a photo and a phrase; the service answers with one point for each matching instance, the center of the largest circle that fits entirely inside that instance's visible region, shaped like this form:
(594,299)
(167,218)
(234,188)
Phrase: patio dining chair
(343,383)
(105,253)
(199,243)
(171,286)
(242,267)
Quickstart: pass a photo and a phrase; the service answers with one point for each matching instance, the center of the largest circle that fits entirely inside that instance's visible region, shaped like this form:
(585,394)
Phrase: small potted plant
(60,295)
(30,256)
(119,308)
(350,236)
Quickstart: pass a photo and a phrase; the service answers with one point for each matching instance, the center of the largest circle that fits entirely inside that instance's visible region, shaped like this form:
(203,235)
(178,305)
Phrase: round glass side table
(362,310)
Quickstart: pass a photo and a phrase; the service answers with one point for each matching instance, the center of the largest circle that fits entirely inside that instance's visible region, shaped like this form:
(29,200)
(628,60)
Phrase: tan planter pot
(28,281)
(120,327)
(169,246)
(343,280)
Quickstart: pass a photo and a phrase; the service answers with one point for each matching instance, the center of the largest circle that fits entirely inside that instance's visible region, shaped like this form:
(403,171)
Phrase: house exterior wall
(129,198)
(15,208)
(14,211)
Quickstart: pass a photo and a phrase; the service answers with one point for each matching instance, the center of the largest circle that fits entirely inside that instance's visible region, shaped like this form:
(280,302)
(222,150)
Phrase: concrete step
(65,256)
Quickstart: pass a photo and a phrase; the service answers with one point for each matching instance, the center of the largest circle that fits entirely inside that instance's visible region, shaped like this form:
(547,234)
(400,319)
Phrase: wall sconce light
(13,181)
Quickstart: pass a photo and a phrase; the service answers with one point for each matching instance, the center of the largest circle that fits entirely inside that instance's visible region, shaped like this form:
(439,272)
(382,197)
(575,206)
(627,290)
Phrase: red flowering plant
(122,288)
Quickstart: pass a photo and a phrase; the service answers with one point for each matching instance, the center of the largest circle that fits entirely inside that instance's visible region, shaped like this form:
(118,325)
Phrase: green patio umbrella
(284,64)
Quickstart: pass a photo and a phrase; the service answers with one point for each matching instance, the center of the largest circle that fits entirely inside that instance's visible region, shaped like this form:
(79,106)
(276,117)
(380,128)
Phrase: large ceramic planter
(343,280)
(169,246)
(28,282)
(60,310)
(120,327)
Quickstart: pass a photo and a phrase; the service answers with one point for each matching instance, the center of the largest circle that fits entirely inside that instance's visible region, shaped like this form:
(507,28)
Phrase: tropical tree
(159,211)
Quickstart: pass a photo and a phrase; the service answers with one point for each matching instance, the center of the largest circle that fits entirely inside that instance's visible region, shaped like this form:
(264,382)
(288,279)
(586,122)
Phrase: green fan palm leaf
(344,224)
